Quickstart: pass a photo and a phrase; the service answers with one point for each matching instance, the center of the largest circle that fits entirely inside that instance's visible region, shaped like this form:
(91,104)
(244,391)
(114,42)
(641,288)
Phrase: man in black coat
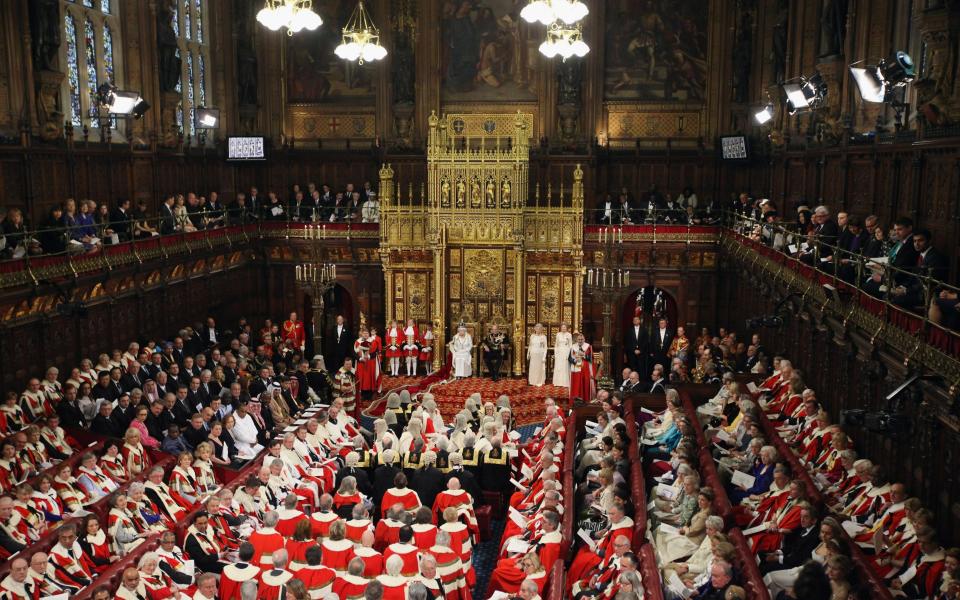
(384,475)
(428,481)
(196,433)
(352,470)
(797,546)
(721,577)
(157,420)
(635,346)
(902,256)
(120,220)
(105,426)
(340,344)
(468,482)
(660,344)
(930,263)
(70,414)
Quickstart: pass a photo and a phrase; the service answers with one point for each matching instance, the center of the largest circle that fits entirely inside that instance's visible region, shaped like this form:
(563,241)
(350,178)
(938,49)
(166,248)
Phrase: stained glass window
(107,53)
(190,96)
(198,19)
(201,82)
(90,48)
(92,57)
(73,70)
(194,50)
(176,19)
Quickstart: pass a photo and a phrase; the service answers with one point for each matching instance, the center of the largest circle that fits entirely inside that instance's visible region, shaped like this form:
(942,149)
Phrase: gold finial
(578,173)
(363,320)
(536,193)
(433,120)
(386,172)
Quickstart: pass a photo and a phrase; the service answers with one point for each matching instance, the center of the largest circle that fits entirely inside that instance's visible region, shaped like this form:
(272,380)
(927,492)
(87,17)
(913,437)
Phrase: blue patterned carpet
(485,554)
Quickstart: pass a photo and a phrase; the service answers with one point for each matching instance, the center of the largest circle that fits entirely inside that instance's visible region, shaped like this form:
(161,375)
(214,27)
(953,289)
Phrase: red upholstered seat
(483,514)
(747,566)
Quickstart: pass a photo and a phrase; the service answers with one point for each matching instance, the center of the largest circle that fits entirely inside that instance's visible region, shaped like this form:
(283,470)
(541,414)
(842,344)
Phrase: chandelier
(295,15)
(564,41)
(550,11)
(361,38)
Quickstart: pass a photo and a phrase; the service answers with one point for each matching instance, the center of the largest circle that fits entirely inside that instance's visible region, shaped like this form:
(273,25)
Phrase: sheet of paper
(758,529)
(667,528)
(517,546)
(792,248)
(752,387)
(652,505)
(290,429)
(513,435)
(649,442)
(646,410)
(721,449)
(666,491)
(517,517)
(584,535)
(63,596)
(537,431)
(499,596)
(517,485)
(592,425)
(676,586)
(723,436)
(526,471)
(743,479)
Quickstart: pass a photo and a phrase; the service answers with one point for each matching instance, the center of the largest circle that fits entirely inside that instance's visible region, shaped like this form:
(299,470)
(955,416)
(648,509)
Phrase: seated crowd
(85,226)
(894,263)
(220,468)
(717,474)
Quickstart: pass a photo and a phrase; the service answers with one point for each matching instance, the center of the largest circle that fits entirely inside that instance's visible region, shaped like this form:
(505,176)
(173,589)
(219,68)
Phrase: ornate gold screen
(477,248)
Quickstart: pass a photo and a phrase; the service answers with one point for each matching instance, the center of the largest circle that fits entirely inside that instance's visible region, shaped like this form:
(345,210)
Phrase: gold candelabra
(606,284)
(316,278)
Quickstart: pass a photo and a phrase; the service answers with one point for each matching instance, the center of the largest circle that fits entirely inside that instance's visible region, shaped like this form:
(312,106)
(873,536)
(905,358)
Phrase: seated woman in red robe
(159,585)
(135,458)
(511,572)
(400,494)
(112,463)
(337,550)
(94,544)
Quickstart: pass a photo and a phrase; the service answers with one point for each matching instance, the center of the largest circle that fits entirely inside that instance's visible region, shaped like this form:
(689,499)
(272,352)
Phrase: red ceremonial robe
(409,553)
(587,559)
(317,579)
(507,576)
(336,554)
(273,584)
(582,374)
(373,561)
(233,576)
(265,542)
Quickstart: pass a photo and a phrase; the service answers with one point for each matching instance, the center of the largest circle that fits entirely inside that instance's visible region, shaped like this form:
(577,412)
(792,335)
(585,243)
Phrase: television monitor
(734,147)
(246,148)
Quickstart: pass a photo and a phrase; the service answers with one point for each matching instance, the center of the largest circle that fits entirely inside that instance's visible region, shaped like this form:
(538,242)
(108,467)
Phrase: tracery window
(189,24)
(90,53)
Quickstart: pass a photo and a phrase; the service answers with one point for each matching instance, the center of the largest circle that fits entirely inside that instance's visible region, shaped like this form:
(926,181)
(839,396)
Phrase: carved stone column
(937,94)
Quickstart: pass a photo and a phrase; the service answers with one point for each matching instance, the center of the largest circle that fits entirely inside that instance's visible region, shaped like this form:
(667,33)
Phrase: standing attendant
(411,351)
(368,365)
(561,357)
(293,331)
(342,342)
(426,349)
(660,345)
(462,348)
(634,346)
(581,370)
(537,355)
(394,347)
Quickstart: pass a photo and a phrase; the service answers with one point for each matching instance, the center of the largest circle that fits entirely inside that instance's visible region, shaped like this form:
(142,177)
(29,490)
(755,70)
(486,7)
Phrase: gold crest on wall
(483,275)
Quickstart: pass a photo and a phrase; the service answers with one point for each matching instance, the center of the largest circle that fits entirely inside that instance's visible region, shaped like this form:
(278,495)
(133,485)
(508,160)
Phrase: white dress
(561,359)
(462,348)
(537,353)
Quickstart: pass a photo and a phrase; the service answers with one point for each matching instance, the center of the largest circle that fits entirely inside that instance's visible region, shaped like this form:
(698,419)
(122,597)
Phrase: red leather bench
(746,564)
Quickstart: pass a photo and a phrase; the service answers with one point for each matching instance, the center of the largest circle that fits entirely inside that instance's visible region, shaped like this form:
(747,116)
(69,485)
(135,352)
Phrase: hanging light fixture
(361,38)
(564,41)
(549,11)
(295,15)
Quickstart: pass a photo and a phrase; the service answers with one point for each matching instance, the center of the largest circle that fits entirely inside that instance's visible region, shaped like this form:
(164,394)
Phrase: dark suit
(657,387)
(428,483)
(632,342)
(930,264)
(70,415)
(363,479)
(120,223)
(797,547)
(195,437)
(341,347)
(130,382)
(168,222)
(659,347)
(383,481)
(904,258)
(106,427)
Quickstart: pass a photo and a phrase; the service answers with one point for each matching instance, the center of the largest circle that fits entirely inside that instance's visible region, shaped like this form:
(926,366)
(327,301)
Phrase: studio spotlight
(120,102)
(208,118)
(805,93)
(764,115)
(876,83)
